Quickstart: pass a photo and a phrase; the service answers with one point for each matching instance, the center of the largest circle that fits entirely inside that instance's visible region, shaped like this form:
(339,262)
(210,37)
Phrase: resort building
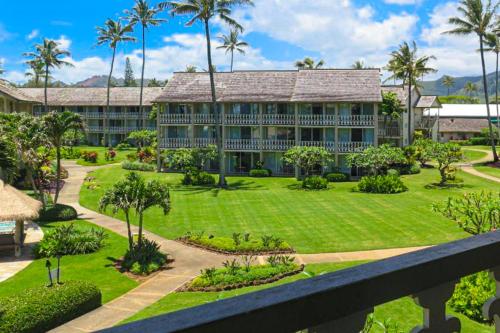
(265,113)
(13,99)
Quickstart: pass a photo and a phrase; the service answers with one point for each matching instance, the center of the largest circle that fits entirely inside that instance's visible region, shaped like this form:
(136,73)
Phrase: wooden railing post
(491,310)
(434,303)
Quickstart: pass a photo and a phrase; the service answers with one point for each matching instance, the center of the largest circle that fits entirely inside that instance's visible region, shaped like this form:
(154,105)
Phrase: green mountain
(437,87)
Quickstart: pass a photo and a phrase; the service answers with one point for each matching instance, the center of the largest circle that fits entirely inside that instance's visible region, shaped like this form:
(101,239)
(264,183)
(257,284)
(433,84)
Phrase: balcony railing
(203,142)
(171,143)
(340,301)
(95,128)
(356,120)
(204,119)
(390,132)
(328,145)
(317,120)
(241,144)
(349,147)
(241,119)
(280,145)
(175,118)
(278,119)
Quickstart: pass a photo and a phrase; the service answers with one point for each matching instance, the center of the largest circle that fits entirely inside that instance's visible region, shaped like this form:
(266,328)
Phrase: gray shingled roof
(276,86)
(120,96)
(428,102)
(465,125)
(16,93)
(400,91)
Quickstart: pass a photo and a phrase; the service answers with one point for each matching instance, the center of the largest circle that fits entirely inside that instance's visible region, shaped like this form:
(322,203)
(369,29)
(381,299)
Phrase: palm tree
(232,43)
(111,34)
(49,54)
(470,88)
(57,124)
(309,63)
(1,68)
(146,16)
(203,11)
(408,67)
(358,64)
(493,42)
(478,19)
(448,82)
(191,69)
(37,68)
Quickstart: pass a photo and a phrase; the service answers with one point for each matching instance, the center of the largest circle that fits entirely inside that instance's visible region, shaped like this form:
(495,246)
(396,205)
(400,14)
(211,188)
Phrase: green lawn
(121,155)
(495,172)
(96,268)
(402,311)
(473,155)
(334,220)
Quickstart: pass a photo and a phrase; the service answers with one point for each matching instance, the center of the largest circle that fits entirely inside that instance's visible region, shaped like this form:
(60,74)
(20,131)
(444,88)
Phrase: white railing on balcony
(278,119)
(204,119)
(241,119)
(241,144)
(329,145)
(94,115)
(95,128)
(311,120)
(176,143)
(168,118)
(132,115)
(350,147)
(280,145)
(390,132)
(203,142)
(356,120)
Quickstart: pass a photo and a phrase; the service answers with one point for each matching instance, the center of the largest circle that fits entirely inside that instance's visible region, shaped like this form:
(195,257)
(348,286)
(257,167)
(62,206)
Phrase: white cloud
(33,34)
(15,76)
(63,42)
(401,2)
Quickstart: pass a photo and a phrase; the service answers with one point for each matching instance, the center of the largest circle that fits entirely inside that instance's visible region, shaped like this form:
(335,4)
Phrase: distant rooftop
(463,111)
(16,93)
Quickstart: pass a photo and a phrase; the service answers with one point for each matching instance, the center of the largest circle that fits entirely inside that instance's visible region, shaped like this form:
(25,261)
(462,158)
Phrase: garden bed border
(188,242)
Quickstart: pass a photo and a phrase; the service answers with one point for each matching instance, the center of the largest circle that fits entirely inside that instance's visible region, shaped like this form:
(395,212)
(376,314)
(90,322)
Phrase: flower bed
(239,244)
(236,275)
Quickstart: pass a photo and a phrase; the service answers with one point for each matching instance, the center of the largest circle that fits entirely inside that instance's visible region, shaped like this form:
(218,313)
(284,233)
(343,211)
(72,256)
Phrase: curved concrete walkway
(469,167)
(187,265)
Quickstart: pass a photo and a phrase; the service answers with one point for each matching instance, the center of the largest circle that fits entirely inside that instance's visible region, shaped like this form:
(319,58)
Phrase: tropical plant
(142,138)
(423,150)
(37,71)
(155,83)
(358,64)
(376,159)
(231,43)
(445,155)
(391,108)
(204,11)
(448,82)
(8,162)
(383,184)
(112,34)
(480,19)
(493,43)
(307,158)
(406,66)
(129,77)
(56,125)
(470,88)
(191,69)
(50,55)
(146,16)
(309,63)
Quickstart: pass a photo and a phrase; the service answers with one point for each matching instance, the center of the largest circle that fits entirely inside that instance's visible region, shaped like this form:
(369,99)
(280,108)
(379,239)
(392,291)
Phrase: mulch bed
(188,242)
(187,288)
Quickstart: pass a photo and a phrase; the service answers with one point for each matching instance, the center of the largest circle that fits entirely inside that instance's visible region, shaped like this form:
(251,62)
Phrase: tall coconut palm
(309,63)
(50,55)
(204,11)
(479,19)
(470,88)
(232,43)
(56,125)
(448,82)
(406,66)
(111,34)
(493,43)
(146,16)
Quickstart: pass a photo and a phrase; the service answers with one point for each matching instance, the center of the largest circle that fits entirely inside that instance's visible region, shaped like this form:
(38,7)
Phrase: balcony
(328,145)
(204,119)
(241,119)
(95,128)
(389,132)
(94,115)
(241,144)
(172,143)
(167,118)
(203,142)
(277,145)
(340,301)
(278,119)
(356,120)
(350,147)
(317,120)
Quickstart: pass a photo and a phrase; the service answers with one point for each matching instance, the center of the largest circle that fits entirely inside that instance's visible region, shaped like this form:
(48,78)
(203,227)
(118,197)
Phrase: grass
(495,172)
(403,311)
(333,220)
(121,155)
(473,155)
(96,268)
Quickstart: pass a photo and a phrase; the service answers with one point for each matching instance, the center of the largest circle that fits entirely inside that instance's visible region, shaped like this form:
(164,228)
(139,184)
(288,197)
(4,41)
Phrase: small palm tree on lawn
(309,63)
(478,18)
(111,34)
(50,55)
(448,82)
(232,43)
(56,125)
(204,11)
(406,66)
(470,88)
(146,16)
(493,43)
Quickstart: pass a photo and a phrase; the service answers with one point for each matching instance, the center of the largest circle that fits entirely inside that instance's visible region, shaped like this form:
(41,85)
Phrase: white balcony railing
(94,115)
(350,147)
(278,119)
(171,143)
(356,120)
(241,119)
(317,120)
(167,118)
(241,144)
(95,128)
(203,142)
(390,132)
(280,145)
(204,119)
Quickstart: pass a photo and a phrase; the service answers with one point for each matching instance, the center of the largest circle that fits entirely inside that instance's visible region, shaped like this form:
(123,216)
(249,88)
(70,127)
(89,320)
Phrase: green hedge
(58,213)
(337,177)
(138,166)
(44,308)
(386,184)
(315,183)
(259,173)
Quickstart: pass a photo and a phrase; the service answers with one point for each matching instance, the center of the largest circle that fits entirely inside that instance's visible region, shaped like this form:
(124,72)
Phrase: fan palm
(448,82)
(50,55)
(493,43)
(146,16)
(358,64)
(191,69)
(111,34)
(232,43)
(309,63)
(406,66)
(56,125)
(204,11)
(470,88)
(478,18)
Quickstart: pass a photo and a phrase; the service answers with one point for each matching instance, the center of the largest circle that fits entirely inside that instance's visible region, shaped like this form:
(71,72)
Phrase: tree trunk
(485,86)
(139,239)
(232,60)
(46,106)
(129,232)
(142,75)
(58,172)
(442,172)
(108,93)
(215,111)
(496,101)
(409,110)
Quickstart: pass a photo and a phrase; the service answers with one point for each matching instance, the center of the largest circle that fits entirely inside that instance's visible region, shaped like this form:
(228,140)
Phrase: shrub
(57,213)
(460,142)
(68,240)
(123,146)
(69,153)
(144,258)
(471,293)
(203,179)
(315,183)
(137,166)
(393,172)
(479,141)
(110,155)
(259,173)
(41,309)
(388,184)
(90,156)
(413,169)
(132,157)
(337,177)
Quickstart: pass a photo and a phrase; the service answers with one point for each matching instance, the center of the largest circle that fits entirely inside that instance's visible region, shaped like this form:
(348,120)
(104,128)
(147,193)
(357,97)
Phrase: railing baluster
(491,310)
(433,301)
(350,324)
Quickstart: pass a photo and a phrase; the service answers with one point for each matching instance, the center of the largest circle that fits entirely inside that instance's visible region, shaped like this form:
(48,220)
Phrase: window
(244,108)
(317,109)
(330,109)
(368,109)
(355,109)
(311,134)
(177,132)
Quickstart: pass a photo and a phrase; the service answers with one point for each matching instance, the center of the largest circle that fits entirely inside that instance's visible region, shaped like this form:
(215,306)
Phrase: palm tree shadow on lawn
(240,185)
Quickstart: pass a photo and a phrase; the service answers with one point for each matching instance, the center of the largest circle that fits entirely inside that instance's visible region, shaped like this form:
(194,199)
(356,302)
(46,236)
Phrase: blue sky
(279,32)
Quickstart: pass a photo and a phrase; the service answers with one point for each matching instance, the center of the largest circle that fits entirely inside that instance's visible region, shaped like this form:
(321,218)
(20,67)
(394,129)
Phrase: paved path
(188,263)
(469,167)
